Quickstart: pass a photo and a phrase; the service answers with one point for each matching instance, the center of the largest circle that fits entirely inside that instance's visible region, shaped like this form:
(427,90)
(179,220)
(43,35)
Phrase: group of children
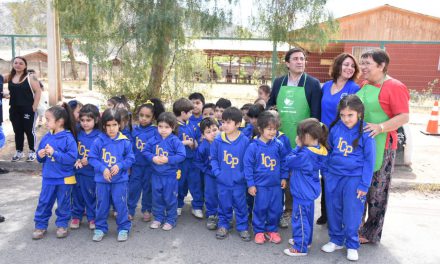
(232,161)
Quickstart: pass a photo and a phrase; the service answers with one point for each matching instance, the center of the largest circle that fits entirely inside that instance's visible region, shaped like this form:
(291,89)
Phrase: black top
(312,90)
(21,93)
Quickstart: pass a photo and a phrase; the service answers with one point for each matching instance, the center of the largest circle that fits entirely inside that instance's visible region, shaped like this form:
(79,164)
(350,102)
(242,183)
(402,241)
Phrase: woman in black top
(25,93)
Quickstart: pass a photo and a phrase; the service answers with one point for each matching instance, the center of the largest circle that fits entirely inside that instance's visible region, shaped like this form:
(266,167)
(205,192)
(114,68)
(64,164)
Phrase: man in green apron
(297,96)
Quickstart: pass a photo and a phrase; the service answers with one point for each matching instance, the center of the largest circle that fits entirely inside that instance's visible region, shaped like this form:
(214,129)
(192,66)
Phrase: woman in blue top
(344,73)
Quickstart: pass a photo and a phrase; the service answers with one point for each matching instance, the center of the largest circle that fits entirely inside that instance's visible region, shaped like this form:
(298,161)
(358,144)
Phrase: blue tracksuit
(164,178)
(248,131)
(286,143)
(202,161)
(264,168)
(349,170)
(305,187)
(227,167)
(78,205)
(190,175)
(58,178)
(195,122)
(140,179)
(104,154)
(86,175)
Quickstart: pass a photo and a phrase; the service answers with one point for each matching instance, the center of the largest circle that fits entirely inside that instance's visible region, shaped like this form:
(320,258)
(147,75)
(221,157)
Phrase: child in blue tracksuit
(165,151)
(57,151)
(111,156)
(348,178)
(266,175)
(190,175)
(89,130)
(140,178)
(198,101)
(305,161)
(227,153)
(209,128)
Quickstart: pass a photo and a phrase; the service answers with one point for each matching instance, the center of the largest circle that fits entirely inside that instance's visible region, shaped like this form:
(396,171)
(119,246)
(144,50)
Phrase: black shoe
(245,236)
(322,220)
(2,219)
(3,171)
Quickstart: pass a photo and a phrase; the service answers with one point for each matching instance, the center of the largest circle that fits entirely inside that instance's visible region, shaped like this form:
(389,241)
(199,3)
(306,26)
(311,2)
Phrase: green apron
(369,94)
(293,107)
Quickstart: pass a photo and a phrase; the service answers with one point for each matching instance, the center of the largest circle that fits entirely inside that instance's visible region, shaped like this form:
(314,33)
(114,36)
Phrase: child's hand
(49,150)
(114,170)
(78,164)
(298,142)
(107,175)
(252,190)
(188,143)
(42,153)
(283,184)
(84,161)
(361,194)
(164,159)
(157,160)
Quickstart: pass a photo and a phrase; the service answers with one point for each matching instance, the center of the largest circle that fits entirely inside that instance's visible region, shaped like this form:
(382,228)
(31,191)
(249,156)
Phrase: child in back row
(140,178)
(111,156)
(220,107)
(209,110)
(198,101)
(165,151)
(57,151)
(227,153)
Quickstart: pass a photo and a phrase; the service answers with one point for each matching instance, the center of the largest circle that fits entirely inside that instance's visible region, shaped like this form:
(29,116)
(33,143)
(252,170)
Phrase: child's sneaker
(155,225)
(31,156)
(38,234)
(74,224)
(146,216)
(62,232)
(322,220)
(18,156)
(294,253)
(245,236)
(92,225)
(122,235)
(211,223)
(221,233)
(331,247)
(98,235)
(179,211)
(197,213)
(167,227)
(259,238)
(285,220)
(273,237)
(352,254)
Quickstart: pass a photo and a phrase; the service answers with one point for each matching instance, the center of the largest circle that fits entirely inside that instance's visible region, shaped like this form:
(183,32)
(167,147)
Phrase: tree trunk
(69,44)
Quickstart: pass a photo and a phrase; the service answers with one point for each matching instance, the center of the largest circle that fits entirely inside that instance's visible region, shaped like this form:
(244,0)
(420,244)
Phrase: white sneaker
(352,254)
(179,211)
(18,156)
(197,213)
(32,156)
(331,247)
(155,225)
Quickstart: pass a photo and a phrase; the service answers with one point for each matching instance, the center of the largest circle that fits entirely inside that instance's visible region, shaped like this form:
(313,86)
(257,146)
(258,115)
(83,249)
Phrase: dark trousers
(23,122)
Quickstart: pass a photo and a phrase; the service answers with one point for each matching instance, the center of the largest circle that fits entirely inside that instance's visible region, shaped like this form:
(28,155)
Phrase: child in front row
(111,155)
(350,169)
(209,128)
(266,175)
(227,153)
(57,151)
(165,151)
(306,160)
(89,119)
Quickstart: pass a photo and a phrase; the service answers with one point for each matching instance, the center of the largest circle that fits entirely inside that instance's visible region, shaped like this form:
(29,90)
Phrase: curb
(20,166)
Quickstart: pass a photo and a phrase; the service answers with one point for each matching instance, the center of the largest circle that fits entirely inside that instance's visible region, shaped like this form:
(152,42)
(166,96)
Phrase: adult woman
(25,95)
(386,103)
(344,72)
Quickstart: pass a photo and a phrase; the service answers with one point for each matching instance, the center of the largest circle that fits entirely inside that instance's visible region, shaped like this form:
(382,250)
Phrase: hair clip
(321,124)
(149,102)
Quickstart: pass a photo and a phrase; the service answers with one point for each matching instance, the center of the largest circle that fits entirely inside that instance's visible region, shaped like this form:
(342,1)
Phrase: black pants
(22,119)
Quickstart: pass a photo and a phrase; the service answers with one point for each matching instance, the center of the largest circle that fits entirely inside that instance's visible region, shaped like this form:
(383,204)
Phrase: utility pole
(53,54)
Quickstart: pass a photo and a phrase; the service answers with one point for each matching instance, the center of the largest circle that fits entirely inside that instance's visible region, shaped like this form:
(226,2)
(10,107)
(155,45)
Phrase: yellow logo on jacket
(139,144)
(160,151)
(229,159)
(186,137)
(108,158)
(268,162)
(82,150)
(344,147)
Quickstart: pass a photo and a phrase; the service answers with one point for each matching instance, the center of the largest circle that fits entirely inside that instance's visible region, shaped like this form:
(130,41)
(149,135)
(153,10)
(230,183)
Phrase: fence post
(90,72)
(13,46)
(274,60)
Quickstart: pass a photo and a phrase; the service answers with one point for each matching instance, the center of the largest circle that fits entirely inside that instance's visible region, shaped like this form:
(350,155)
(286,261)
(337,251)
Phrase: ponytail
(323,139)
(69,121)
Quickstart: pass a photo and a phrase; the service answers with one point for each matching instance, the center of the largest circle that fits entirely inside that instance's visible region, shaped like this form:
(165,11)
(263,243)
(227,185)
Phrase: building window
(357,51)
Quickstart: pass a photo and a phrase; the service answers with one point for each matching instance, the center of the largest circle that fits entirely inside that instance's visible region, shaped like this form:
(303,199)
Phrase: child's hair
(260,101)
(182,104)
(155,105)
(207,122)
(197,96)
(353,102)
(109,115)
(245,107)
(91,111)
(223,103)
(125,117)
(255,110)
(232,113)
(208,105)
(265,88)
(315,129)
(74,104)
(170,119)
(64,112)
(266,119)
(120,100)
